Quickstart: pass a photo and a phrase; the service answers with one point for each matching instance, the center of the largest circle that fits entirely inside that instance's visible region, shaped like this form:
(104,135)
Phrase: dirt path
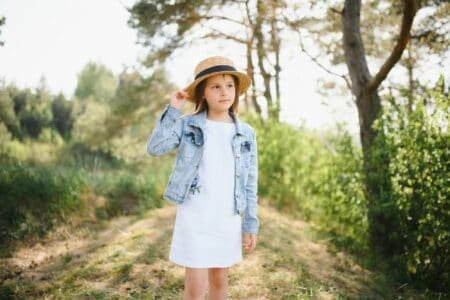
(127,258)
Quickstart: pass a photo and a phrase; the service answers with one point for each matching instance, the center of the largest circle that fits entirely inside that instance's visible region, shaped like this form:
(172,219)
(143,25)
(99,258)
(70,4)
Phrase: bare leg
(218,283)
(195,284)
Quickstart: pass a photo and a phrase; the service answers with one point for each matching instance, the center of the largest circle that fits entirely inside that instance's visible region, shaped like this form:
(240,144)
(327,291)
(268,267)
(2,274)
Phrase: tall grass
(35,198)
(128,192)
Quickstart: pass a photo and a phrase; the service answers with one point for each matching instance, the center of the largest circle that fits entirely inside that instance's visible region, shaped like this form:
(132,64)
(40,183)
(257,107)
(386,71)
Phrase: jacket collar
(199,120)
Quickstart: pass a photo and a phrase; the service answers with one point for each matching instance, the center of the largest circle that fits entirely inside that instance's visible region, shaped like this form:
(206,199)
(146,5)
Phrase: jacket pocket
(246,153)
(191,143)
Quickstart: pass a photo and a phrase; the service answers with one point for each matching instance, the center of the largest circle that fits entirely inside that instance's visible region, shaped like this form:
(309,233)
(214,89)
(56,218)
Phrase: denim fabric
(186,133)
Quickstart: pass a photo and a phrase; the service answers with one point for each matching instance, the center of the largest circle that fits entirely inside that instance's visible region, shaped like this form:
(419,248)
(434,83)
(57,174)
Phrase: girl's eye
(230,85)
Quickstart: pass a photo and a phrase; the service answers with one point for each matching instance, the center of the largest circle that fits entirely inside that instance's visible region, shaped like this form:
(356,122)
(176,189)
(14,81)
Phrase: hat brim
(244,83)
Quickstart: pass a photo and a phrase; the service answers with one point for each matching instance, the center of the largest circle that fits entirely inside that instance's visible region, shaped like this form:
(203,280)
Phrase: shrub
(419,149)
(36,198)
(316,175)
(130,193)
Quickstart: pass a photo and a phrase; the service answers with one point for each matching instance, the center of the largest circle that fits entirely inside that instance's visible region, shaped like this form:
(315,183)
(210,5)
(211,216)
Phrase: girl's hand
(249,242)
(178,98)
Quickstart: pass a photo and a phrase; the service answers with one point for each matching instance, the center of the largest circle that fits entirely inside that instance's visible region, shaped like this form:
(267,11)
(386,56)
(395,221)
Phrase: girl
(214,179)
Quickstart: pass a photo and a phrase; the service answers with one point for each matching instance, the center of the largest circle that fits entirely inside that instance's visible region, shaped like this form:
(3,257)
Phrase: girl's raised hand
(178,98)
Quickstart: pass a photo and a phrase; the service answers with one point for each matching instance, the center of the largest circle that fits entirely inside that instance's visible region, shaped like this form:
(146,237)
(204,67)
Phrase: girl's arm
(168,129)
(251,222)
(167,132)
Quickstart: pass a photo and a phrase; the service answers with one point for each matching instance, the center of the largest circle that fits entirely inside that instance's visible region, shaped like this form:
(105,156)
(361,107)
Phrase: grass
(126,258)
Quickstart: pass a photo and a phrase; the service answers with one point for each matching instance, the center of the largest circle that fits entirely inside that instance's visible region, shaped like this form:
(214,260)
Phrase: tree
(32,123)
(2,22)
(96,81)
(254,25)
(62,116)
(122,122)
(136,105)
(365,90)
(24,112)
(418,143)
(429,38)
(34,112)
(429,42)
(7,114)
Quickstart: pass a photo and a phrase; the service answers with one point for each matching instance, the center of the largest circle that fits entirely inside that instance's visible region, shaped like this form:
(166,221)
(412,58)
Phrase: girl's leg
(195,283)
(218,283)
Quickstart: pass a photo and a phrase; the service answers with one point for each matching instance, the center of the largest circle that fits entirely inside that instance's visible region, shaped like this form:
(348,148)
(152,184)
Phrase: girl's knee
(196,283)
(218,277)
(195,292)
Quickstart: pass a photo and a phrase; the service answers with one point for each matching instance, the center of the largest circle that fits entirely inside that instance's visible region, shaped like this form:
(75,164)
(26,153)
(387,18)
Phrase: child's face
(220,92)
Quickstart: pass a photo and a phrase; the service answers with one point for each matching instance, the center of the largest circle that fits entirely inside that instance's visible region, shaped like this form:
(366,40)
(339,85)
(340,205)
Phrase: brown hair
(200,101)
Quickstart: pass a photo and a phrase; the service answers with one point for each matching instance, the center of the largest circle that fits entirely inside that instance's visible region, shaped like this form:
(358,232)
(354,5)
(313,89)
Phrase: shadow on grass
(66,273)
(130,260)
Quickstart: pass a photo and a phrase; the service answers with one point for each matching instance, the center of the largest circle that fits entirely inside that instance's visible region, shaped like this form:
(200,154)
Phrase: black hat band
(215,69)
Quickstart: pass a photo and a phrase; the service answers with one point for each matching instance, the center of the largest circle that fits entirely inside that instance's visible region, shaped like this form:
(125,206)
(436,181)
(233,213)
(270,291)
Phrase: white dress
(207,233)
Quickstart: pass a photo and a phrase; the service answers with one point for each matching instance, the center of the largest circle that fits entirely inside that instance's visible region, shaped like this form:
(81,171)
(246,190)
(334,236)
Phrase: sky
(57,38)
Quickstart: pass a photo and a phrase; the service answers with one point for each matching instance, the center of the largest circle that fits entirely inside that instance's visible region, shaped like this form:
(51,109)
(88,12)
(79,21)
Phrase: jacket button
(237,174)
(238,155)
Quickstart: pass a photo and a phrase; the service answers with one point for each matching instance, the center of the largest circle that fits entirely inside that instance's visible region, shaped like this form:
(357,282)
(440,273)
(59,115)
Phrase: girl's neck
(219,116)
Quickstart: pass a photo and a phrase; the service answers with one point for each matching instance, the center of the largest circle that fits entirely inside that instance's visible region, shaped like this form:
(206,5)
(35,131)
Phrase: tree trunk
(381,213)
(251,73)
(276,45)
(261,54)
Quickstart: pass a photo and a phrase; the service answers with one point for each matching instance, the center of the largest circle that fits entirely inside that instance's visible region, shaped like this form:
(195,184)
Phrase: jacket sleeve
(166,134)
(250,222)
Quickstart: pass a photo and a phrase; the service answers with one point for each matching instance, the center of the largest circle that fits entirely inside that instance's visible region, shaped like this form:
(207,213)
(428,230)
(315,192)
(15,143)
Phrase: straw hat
(216,65)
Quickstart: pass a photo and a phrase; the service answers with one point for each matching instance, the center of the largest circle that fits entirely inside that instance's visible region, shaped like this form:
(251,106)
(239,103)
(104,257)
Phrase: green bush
(131,193)
(343,205)
(33,199)
(81,156)
(286,159)
(419,149)
(315,176)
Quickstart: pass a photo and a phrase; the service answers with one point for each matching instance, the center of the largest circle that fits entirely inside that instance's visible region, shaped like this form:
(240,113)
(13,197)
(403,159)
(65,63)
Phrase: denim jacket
(187,133)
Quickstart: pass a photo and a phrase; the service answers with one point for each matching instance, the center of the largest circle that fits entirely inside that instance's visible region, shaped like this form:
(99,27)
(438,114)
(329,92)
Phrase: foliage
(163,26)
(7,113)
(97,82)
(114,127)
(78,155)
(5,137)
(89,127)
(2,22)
(128,193)
(341,188)
(62,117)
(257,27)
(24,112)
(418,144)
(321,178)
(34,199)
(429,38)
(32,122)
(314,175)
